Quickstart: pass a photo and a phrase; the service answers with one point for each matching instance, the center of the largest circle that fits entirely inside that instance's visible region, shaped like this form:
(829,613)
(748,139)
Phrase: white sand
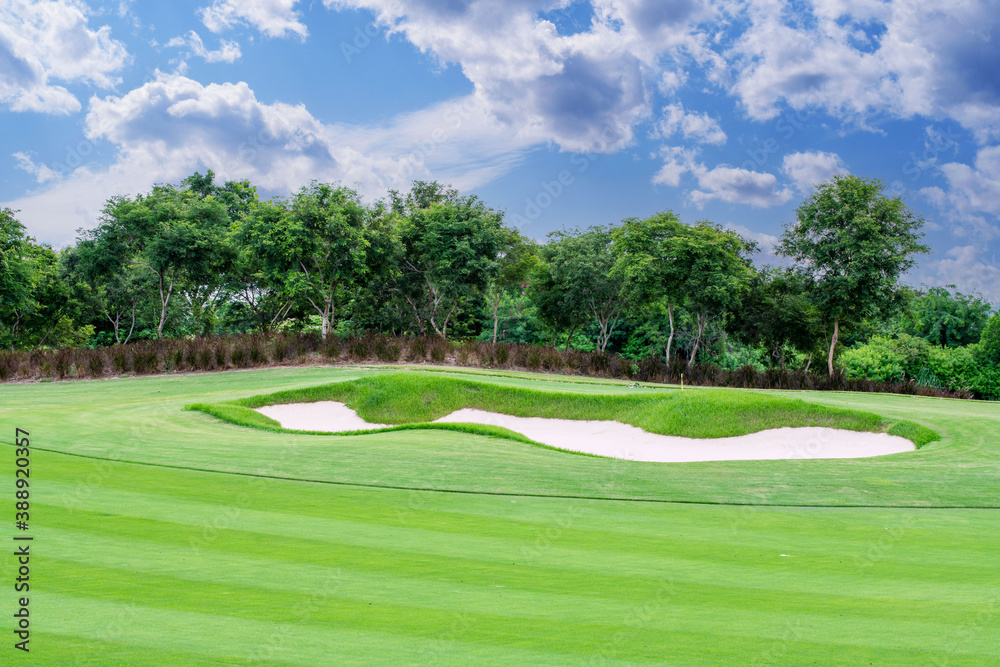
(622,441)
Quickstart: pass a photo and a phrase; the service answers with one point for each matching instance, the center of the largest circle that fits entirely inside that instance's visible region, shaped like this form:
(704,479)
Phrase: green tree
(945,319)
(17,274)
(988,352)
(47,312)
(313,245)
(106,281)
(517,260)
(576,285)
(649,264)
(178,236)
(776,312)
(450,247)
(718,273)
(855,242)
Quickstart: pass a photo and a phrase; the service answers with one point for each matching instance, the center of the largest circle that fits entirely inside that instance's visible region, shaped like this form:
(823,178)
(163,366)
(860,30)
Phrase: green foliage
(704,267)
(575,284)
(450,247)
(855,242)
(988,352)
(986,383)
(945,319)
(887,359)
(405,398)
(776,313)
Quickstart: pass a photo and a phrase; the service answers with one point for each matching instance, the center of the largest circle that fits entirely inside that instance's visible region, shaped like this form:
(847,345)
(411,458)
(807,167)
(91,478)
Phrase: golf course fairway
(165,536)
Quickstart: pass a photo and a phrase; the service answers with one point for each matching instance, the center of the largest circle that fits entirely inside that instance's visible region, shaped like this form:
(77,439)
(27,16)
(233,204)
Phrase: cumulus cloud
(44,41)
(738,186)
(766,244)
(41,172)
(584,92)
(809,169)
(863,57)
(677,161)
(173,125)
(970,268)
(971,201)
(274,18)
(228,51)
(701,128)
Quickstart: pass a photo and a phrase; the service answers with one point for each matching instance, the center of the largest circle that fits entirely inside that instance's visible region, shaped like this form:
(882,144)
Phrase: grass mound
(410,399)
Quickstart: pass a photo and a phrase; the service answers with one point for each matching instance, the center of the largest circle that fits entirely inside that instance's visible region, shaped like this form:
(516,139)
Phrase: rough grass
(411,398)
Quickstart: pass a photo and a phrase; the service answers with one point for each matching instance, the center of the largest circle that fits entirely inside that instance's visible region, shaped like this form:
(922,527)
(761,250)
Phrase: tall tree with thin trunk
(450,249)
(312,246)
(855,242)
(649,265)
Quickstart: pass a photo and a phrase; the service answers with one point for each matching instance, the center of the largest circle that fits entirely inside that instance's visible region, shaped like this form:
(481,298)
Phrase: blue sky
(562,113)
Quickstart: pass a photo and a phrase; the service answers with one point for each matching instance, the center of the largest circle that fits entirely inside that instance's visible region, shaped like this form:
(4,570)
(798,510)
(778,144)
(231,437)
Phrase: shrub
(221,354)
(533,359)
(145,361)
(332,348)
(387,349)
(501,354)
(877,360)
(96,364)
(988,351)
(257,355)
(417,349)
(986,383)
(439,350)
(358,348)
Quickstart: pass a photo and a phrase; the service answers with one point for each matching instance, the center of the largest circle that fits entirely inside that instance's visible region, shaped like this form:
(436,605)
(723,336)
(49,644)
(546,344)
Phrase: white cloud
(738,186)
(172,126)
(676,162)
(860,58)
(809,169)
(971,202)
(228,51)
(766,243)
(584,91)
(698,127)
(274,18)
(49,40)
(41,172)
(969,269)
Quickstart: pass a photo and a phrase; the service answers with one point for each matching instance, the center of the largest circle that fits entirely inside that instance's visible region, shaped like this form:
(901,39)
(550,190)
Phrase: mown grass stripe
(511,494)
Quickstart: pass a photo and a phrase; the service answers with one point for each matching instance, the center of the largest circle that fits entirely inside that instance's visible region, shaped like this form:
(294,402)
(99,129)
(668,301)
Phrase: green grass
(410,398)
(137,563)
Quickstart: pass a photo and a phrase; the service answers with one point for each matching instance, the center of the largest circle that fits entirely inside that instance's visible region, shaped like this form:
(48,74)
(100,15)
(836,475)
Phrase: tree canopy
(855,243)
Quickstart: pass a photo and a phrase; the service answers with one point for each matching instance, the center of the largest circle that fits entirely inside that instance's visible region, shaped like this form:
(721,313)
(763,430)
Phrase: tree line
(202,258)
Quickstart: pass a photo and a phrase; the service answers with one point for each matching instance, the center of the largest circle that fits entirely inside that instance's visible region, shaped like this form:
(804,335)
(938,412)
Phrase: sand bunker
(622,441)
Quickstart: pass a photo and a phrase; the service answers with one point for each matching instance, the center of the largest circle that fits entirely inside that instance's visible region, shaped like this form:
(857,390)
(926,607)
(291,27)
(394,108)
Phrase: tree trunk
(164,300)
(808,363)
(570,337)
(833,343)
(670,341)
(697,341)
(496,309)
(131,328)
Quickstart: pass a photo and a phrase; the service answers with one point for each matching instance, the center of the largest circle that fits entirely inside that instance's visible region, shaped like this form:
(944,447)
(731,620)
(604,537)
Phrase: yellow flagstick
(682,381)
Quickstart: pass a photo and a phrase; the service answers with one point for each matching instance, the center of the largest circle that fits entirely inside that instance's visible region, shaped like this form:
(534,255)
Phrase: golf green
(165,536)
